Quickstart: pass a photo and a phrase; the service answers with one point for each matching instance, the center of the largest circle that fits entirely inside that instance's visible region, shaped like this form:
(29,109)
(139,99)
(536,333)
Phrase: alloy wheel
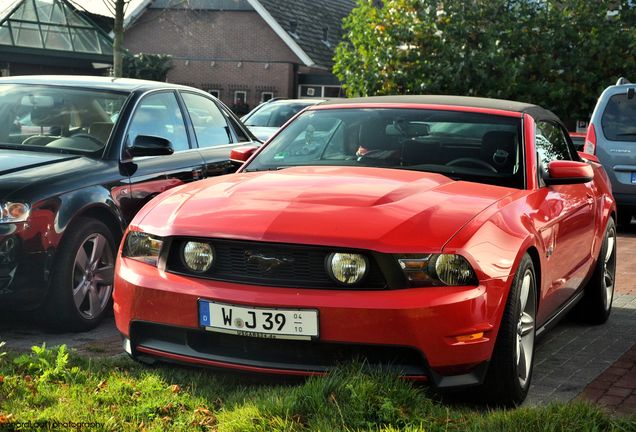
(609,266)
(525,328)
(93,271)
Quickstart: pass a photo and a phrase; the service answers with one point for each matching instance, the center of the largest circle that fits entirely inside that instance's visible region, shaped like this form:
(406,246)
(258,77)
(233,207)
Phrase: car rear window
(619,118)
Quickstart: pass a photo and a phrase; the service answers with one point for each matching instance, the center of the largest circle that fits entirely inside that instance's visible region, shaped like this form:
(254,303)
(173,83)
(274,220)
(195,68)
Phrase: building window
(215,93)
(240,96)
(317,91)
(265,96)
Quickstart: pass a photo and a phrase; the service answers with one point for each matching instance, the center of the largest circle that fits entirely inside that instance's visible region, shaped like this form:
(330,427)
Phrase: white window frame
(271,95)
(237,92)
(217,95)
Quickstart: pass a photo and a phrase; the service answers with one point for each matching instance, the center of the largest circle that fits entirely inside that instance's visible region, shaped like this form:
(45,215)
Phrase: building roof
(43,27)
(301,24)
(305,23)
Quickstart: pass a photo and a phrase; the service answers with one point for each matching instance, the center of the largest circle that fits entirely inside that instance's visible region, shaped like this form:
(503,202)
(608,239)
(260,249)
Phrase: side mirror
(148,145)
(568,172)
(588,157)
(242,154)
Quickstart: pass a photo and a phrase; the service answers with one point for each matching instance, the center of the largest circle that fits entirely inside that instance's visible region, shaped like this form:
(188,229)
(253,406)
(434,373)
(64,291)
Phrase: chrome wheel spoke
(94,302)
(81,259)
(79,294)
(105,275)
(610,247)
(522,365)
(99,243)
(525,291)
(527,324)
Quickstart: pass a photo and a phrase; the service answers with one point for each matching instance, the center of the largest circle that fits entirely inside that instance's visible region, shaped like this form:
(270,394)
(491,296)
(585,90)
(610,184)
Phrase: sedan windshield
(467,146)
(57,119)
(275,114)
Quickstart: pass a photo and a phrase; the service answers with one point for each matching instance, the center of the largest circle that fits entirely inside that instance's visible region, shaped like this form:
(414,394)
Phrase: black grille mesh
(303,266)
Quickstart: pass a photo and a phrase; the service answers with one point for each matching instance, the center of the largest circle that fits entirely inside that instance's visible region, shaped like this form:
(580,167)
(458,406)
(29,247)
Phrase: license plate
(633,177)
(258,322)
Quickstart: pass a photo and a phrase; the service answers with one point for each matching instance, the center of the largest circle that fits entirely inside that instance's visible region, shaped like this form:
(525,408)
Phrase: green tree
(146,66)
(559,54)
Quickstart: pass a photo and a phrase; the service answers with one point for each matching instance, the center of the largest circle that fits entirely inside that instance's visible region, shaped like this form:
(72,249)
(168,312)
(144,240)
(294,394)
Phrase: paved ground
(592,362)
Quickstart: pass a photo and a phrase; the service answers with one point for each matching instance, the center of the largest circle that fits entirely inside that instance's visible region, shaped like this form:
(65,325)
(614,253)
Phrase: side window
(159,114)
(551,144)
(209,123)
(242,137)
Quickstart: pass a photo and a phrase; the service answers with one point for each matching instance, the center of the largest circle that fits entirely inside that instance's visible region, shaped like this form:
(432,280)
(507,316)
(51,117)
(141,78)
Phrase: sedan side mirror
(568,172)
(242,154)
(148,145)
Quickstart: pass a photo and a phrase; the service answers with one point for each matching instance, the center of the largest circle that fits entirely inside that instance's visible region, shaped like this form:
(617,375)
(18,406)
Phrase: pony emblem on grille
(264,263)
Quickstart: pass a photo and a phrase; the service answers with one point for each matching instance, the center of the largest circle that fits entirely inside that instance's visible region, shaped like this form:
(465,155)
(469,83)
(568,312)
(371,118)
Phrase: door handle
(197,173)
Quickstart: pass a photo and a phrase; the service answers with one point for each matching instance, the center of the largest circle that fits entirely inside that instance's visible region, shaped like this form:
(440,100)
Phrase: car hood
(370,208)
(20,168)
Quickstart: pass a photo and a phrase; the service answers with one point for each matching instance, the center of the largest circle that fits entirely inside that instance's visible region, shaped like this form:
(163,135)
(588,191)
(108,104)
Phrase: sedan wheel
(82,282)
(510,369)
(93,276)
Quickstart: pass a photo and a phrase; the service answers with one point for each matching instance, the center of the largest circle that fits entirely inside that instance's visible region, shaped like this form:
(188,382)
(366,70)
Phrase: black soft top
(499,104)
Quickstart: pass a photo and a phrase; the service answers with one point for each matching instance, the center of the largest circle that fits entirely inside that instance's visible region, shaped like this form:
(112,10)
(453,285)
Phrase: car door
(216,132)
(565,220)
(160,114)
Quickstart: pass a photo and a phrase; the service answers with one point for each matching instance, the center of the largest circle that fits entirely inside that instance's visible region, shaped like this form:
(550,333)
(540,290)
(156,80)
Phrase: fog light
(347,268)
(198,256)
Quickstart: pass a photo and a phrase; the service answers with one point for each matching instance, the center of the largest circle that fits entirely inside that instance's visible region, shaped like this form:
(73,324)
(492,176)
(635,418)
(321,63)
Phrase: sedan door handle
(197,173)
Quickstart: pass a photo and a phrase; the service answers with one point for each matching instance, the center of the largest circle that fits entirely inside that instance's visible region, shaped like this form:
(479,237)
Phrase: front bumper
(411,330)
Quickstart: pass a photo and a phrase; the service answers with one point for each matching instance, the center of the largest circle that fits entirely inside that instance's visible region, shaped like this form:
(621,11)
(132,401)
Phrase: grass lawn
(119,395)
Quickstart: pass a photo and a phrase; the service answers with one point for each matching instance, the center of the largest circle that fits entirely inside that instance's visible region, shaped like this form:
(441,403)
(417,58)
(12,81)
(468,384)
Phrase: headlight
(197,256)
(347,268)
(437,269)
(143,247)
(14,212)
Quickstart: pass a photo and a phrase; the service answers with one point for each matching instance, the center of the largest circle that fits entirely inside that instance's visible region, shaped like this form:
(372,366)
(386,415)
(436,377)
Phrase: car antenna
(622,80)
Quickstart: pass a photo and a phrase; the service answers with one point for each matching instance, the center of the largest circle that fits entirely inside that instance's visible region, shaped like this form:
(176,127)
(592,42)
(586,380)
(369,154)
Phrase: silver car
(611,136)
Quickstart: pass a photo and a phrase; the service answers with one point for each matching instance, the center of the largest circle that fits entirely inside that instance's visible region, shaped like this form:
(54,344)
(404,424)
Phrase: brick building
(250,50)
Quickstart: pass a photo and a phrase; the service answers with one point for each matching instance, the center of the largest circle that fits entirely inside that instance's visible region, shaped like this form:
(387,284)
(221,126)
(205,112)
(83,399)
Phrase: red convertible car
(436,235)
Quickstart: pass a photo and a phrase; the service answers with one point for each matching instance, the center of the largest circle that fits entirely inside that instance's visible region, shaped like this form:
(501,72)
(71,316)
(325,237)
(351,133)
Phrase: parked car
(421,233)
(264,120)
(611,136)
(72,179)
(578,139)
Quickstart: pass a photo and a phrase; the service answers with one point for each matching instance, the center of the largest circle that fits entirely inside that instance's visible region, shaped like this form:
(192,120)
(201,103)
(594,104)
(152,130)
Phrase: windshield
(275,114)
(57,119)
(468,146)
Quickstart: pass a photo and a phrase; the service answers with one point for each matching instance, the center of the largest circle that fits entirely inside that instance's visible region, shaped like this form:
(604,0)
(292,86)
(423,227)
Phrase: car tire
(596,304)
(510,370)
(81,286)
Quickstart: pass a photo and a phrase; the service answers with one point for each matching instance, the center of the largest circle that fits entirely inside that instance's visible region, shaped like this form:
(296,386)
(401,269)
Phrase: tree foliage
(147,66)
(556,53)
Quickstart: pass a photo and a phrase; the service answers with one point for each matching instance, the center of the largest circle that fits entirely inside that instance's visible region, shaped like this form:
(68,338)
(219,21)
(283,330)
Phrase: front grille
(309,356)
(302,267)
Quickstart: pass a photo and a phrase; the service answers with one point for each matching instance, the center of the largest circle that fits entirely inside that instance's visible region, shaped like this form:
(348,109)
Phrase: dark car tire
(92,287)
(508,379)
(596,305)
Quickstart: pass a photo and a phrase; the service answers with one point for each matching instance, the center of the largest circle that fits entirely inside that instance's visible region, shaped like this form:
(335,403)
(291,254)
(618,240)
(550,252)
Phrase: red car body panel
(402,212)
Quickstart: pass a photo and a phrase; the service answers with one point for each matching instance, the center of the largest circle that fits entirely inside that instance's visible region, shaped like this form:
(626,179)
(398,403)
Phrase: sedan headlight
(197,256)
(347,268)
(14,212)
(143,247)
(437,269)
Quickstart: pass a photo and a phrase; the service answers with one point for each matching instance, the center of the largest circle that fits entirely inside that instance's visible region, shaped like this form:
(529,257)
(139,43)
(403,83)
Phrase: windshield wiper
(267,169)
(627,134)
